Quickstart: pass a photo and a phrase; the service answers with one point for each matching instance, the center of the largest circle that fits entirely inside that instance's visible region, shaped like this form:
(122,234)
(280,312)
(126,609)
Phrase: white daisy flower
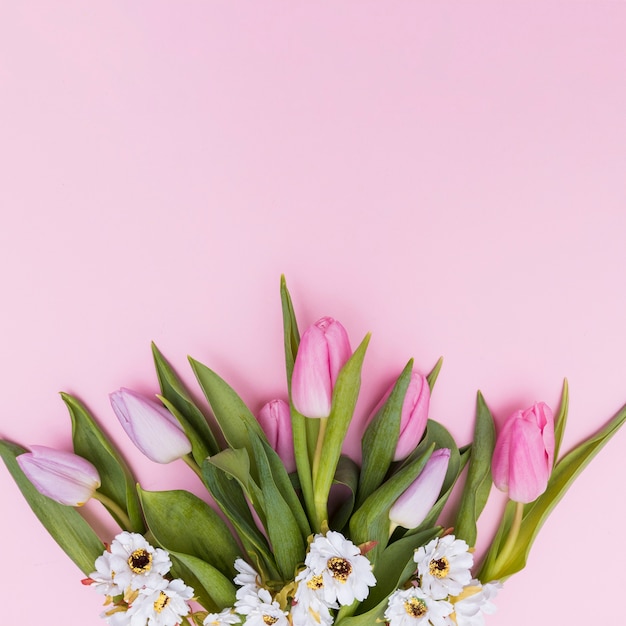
(474,601)
(164,605)
(310,608)
(102,579)
(413,607)
(261,610)
(443,566)
(346,573)
(223,618)
(132,562)
(117,617)
(248,579)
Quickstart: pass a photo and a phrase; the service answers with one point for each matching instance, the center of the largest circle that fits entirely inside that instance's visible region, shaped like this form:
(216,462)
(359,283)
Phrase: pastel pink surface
(449,176)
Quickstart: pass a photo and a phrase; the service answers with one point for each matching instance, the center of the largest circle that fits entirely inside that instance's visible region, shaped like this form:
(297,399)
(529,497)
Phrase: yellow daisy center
(269,619)
(316,582)
(340,568)
(140,561)
(415,607)
(439,568)
(161,602)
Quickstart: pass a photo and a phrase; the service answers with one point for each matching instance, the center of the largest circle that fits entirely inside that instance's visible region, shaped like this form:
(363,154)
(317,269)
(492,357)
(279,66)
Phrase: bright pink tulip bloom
(63,476)
(412,507)
(524,452)
(275,420)
(414,414)
(324,350)
(150,426)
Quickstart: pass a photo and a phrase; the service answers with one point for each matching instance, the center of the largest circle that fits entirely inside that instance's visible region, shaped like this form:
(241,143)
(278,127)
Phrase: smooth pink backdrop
(447,175)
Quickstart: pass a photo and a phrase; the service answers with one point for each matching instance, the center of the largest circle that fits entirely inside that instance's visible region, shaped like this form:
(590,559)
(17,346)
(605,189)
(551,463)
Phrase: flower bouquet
(306,535)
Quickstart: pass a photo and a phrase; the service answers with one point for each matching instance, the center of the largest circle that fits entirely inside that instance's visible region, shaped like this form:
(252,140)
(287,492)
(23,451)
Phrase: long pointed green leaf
(66,526)
(560,420)
(478,484)
(175,392)
(434,373)
(118,483)
(181,522)
(347,474)
(381,437)
(290,326)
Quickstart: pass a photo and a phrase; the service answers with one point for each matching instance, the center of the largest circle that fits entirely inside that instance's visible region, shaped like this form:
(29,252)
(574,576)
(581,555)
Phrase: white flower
(116,617)
(474,601)
(131,562)
(261,610)
(248,579)
(413,607)
(223,618)
(443,566)
(164,605)
(310,608)
(346,573)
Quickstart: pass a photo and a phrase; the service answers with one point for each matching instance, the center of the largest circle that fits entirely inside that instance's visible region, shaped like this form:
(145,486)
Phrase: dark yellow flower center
(316,582)
(140,561)
(415,607)
(269,619)
(439,568)
(161,602)
(339,568)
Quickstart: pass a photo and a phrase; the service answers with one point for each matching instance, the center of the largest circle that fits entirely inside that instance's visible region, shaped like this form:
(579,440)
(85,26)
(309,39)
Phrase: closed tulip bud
(150,426)
(324,350)
(275,420)
(523,455)
(412,507)
(63,476)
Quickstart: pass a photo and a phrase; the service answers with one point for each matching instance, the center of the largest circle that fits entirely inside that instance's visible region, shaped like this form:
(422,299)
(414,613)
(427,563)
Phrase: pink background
(449,176)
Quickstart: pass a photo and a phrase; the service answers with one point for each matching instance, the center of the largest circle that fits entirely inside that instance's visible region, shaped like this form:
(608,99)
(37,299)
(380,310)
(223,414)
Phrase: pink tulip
(275,420)
(324,350)
(151,427)
(522,459)
(414,414)
(412,507)
(63,476)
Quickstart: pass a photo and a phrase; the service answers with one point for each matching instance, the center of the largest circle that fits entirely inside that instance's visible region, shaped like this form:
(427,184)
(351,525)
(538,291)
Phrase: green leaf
(381,437)
(345,394)
(229,496)
(536,513)
(347,474)
(66,526)
(176,394)
(560,420)
(434,373)
(231,413)
(290,326)
(213,590)
(181,522)
(478,484)
(118,482)
(288,544)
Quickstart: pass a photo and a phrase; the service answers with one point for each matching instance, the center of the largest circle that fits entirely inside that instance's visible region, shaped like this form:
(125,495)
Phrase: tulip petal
(63,476)
(275,419)
(414,416)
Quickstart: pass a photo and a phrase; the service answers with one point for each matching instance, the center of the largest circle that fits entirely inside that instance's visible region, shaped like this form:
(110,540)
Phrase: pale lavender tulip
(63,476)
(414,414)
(151,427)
(524,452)
(412,507)
(324,350)
(275,420)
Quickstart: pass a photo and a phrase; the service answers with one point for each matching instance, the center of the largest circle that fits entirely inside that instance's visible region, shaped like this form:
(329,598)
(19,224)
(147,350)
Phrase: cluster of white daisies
(134,577)
(442,591)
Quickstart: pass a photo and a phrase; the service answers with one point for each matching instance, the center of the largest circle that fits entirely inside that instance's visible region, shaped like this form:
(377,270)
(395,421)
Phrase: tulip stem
(193,465)
(505,553)
(115,508)
(319,499)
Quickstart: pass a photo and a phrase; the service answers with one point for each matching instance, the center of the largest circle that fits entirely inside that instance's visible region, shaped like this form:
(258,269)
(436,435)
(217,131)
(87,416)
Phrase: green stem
(505,553)
(320,499)
(193,465)
(114,508)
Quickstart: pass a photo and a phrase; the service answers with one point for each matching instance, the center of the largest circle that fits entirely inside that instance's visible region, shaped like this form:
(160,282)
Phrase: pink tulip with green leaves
(275,420)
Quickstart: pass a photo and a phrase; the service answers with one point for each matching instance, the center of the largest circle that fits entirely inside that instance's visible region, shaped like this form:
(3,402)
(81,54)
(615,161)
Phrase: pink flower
(522,459)
(275,420)
(412,507)
(150,426)
(63,476)
(414,414)
(324,350)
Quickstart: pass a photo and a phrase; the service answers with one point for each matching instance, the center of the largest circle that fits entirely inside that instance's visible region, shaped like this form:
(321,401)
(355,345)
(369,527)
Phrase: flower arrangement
(287,549)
